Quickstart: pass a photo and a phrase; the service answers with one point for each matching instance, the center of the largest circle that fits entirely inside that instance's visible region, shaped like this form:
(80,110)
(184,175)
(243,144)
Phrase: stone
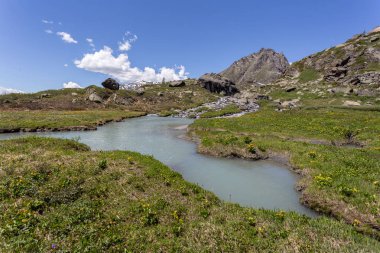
(93,97)
(45,95)
(351,103)
(344,90)
(160,94)
(290,89)
(289,104)
(217,84)
(366,93)
(140,91)
(179,83)
(111,84)
(262,97)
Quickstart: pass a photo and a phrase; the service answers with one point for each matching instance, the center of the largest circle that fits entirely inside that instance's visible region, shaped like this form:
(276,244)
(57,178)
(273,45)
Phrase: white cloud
(71,85)
(91,43)
(119,67)
(65,65)
(4,91)
(128,39)
(48,31)
(47,22)
(124,46)
(66,37)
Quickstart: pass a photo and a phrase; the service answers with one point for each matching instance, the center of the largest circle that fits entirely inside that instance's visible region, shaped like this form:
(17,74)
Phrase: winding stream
(259,184)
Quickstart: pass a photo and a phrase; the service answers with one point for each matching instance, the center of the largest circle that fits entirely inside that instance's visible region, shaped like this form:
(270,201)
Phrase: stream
(260,184)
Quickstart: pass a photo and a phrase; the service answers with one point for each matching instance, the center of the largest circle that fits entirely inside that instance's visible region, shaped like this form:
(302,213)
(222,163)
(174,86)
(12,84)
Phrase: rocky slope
(263,67)
(355,62)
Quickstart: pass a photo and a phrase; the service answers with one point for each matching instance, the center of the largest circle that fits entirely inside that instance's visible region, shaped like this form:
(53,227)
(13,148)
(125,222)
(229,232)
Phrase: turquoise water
(259,184)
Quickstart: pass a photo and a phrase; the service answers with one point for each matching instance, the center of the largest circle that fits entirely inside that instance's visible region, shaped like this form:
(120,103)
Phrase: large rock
(179,83)
(260,68)
(218,84)
(111,84)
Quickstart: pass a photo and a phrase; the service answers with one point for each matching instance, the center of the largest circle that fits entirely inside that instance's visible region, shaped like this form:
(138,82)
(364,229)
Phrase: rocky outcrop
(218,84)
(111,84)
(263,67)
(355,62)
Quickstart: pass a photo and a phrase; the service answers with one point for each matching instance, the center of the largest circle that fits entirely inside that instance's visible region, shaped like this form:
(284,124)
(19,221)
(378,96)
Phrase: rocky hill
(263,67)
(355,62)
(148,98)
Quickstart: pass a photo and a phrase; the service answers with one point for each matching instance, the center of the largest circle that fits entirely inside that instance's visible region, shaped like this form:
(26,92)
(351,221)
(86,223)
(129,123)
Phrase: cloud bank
(71,85)
(120,67)
(4,91)
(66,37)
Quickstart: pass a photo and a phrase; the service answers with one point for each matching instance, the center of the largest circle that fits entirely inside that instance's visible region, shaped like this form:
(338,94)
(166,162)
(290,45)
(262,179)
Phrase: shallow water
(260,184)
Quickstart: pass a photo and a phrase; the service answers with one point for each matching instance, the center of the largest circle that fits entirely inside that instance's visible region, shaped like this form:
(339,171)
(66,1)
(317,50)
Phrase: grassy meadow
(58,196)
(336,150)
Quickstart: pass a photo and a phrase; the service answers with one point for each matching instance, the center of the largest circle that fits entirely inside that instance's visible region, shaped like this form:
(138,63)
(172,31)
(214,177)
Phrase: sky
(48,44)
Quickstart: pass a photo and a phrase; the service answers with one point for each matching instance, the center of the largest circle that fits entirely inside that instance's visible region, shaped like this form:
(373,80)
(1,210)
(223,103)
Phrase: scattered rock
(111,84)
(245,104)
(160,94)
(116,99)
(74,94)
(218,84)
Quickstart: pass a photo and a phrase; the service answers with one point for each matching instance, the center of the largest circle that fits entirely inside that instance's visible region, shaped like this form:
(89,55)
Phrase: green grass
(57,195)
(229,109)
(308,75)
(342,181)
(60,119)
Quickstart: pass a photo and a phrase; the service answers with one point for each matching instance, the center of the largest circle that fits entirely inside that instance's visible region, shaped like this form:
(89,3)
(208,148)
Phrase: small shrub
(103,165)
(204,213)
(347,191)
(149,217)
(247,140)
(251,148)
(251,221)
(312,154)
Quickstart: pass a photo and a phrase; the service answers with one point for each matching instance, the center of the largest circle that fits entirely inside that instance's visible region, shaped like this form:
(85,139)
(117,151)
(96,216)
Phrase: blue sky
(201,35)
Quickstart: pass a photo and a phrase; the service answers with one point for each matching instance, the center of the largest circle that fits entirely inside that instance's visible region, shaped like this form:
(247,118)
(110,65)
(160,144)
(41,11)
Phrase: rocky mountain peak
(263,67)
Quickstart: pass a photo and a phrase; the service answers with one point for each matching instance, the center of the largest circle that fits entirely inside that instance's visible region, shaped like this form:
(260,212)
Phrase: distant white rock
(4,91)
(351,103)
